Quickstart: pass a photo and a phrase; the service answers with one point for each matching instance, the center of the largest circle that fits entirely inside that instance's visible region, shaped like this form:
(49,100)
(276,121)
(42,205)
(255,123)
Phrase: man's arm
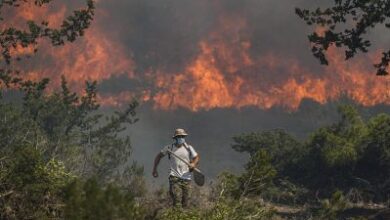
(194,161)
(156,162)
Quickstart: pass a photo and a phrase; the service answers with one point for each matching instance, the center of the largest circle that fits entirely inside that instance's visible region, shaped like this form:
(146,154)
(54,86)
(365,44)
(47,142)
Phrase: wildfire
(225,73)
(95,56)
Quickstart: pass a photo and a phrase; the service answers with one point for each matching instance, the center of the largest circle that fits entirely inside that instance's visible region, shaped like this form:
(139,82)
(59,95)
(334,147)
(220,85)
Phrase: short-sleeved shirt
(177,167)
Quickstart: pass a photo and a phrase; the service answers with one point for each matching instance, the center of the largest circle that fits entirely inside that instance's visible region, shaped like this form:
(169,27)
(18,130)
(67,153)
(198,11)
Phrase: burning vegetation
(224,71)
(61,159)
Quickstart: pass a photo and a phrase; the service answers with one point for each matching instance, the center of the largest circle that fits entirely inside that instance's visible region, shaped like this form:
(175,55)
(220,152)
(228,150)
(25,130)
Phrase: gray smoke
(164,35)
(211,132)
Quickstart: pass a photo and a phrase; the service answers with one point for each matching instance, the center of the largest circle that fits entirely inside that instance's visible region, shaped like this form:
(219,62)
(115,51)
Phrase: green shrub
(239,209)
(33,186)
(258,175)
(89,200)
(331,208)
(179,214)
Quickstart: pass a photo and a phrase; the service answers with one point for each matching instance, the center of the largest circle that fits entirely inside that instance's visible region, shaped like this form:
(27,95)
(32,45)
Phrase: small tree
(373,166)
(258,175)
(283,149)
(334,150)
(76,133)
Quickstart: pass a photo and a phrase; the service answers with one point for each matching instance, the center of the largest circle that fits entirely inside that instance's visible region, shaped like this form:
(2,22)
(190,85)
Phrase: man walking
(180,174)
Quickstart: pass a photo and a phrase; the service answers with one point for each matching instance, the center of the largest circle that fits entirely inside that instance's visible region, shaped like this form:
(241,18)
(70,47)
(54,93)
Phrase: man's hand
(193,163)
(192,166)
(156,162)
(155,173)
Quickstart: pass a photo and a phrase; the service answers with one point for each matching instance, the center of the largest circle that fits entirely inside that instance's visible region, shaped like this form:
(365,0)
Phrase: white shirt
(179,168)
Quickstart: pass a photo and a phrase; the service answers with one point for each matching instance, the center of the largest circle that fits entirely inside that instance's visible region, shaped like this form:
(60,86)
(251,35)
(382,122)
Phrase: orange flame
(225,73)
(95,56)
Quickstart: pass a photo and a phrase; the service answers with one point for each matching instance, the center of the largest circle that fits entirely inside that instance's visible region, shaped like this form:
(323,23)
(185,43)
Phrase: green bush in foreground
(31,187)
(222,210)
(331,208)
(89,200)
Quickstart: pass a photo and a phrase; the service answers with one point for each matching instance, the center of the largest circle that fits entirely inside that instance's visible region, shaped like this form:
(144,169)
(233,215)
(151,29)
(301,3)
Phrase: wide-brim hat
(179,132)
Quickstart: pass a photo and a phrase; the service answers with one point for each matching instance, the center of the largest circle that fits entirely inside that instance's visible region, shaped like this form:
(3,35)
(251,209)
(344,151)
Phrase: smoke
(217,68)
(211,132)
(223,54)
(201,55)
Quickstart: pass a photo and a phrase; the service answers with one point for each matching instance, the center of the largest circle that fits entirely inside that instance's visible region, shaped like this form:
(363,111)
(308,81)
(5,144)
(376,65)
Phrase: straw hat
(179,132)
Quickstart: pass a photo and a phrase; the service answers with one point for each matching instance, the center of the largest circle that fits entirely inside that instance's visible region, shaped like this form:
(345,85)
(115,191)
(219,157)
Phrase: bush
(239,209)
(331,208)
(226,186)
(32,186)
(258,175)
(179,214)
(89,200)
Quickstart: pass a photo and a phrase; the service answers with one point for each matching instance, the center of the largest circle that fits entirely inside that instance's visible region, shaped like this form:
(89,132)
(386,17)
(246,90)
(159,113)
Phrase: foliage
(281,147)
(332,156)
(60,158)
(38,182)
(17,130)
(89,200)
(12,38)
(349,155)
(239,209)
(179,214)
(333,152)
(373,167)
(221,210)
(85,140)
(284,191)
(331,208)
(51,139)
(258,175)
(227,186)
(361,15)
(52,143)
(31,187)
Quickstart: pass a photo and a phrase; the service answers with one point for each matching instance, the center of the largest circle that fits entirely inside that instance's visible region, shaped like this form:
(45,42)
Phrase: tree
(258,174)
(334,151)
(373,166)
(282,148)
(361,14)
(76,133)
(52,138)
(12,38)
(50,141)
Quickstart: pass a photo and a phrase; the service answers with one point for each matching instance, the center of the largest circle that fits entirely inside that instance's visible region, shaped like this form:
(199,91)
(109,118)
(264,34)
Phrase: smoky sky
(163,36)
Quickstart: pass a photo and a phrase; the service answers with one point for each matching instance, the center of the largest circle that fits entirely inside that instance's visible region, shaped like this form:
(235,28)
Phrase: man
(180,174)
